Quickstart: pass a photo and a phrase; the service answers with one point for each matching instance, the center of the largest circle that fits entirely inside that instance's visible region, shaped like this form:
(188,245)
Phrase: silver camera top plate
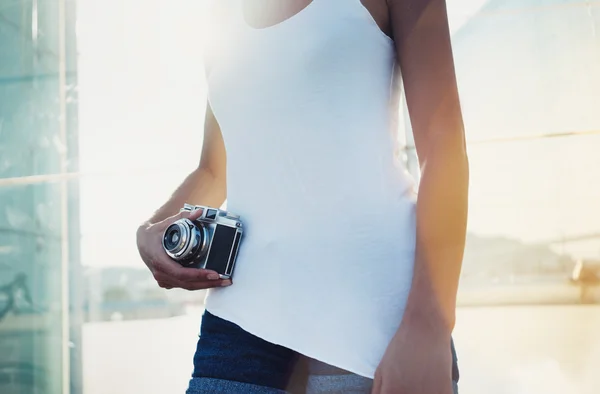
(214,214)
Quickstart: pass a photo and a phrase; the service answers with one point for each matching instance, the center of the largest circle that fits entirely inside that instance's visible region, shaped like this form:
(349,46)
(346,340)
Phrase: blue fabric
(317,384)
(221,386)
(226,351)
(231,360)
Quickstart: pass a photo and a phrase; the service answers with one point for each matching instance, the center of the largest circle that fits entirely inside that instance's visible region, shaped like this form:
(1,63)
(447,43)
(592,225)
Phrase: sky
(142,96)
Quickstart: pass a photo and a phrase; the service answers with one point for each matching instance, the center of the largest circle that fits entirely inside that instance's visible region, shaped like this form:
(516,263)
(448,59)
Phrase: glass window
(40,319)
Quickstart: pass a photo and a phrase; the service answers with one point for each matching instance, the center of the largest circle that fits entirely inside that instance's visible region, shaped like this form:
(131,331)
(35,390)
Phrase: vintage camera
(211,241)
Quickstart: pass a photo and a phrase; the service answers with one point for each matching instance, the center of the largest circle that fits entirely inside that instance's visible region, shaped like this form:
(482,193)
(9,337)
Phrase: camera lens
(172,237)
(184,240)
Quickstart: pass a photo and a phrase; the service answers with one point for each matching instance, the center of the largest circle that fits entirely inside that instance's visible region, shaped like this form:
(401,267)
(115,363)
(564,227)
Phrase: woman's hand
(418,360)
(168,273)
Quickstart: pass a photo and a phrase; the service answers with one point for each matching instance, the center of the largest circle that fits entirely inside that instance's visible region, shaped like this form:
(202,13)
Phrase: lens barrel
(184,240)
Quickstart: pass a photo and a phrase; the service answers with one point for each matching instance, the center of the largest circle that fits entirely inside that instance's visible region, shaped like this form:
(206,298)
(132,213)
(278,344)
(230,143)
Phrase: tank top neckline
(297,17)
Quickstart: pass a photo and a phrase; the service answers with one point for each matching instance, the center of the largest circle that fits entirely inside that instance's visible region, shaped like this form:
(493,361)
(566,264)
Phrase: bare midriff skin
(417,359)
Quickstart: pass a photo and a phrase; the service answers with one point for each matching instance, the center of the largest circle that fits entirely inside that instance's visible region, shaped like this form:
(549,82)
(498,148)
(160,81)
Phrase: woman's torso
(306,108)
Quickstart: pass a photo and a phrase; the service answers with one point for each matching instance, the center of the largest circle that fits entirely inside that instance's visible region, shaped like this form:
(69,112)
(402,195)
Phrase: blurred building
(128,293)
(40,319)
(529,68)
(529,75)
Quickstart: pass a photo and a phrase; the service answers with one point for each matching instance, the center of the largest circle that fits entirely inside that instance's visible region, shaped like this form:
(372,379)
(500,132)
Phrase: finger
(177,272)
(163,280)
(166,285)
(205,285)
(162,225)
(194,214)
(182,214)
(200,285)
(167,282)
(376,386)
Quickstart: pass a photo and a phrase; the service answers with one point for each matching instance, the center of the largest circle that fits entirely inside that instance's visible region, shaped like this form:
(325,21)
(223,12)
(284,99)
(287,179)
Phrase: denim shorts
(231,360)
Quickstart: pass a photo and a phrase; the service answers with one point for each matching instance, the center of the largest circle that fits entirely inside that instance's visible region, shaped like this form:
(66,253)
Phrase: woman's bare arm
(206,184)
(424,53)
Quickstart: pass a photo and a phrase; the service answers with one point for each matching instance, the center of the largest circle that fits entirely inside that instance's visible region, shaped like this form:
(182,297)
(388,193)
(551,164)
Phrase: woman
(346,280)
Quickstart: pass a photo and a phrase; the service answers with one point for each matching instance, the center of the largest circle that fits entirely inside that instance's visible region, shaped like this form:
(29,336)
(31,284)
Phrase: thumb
(195,214)
(181,215)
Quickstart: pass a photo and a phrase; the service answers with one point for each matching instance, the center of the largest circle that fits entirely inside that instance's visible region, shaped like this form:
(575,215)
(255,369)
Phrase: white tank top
(306,112)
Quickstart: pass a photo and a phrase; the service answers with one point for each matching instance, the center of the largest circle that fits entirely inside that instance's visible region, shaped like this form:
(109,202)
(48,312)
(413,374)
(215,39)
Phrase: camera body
(210,241)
